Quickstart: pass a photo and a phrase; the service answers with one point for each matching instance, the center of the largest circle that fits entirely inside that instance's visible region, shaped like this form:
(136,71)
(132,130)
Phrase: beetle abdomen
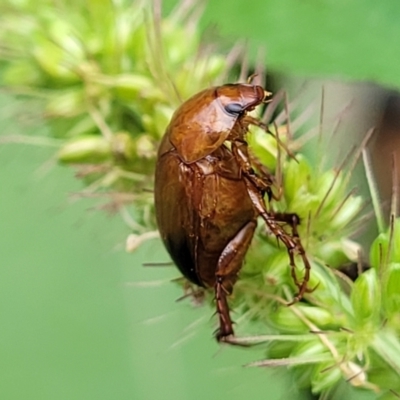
(201,208)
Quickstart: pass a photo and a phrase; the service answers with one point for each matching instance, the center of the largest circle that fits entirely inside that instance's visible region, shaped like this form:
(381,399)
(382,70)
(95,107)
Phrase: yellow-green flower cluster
(342,330)
(109,74)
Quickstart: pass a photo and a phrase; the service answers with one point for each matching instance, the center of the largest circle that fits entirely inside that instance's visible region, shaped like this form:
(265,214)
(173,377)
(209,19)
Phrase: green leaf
(355,39)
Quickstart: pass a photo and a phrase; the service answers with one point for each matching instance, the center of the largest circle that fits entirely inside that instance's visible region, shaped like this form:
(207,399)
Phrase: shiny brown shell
(207,195)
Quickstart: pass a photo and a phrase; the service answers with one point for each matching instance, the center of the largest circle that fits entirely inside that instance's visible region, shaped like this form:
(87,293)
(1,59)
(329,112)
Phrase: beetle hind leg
(229,264)
(225,333)
(225,323)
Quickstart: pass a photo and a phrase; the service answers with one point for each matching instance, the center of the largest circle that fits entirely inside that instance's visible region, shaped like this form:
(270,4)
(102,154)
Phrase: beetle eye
(234,108)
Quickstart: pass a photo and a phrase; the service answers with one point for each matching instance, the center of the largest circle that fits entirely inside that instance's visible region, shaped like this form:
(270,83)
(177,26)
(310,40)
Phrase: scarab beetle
(208,196)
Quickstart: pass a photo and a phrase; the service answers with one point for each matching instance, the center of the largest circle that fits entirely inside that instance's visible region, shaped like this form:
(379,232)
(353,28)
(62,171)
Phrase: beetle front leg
(229,264)
(240,152)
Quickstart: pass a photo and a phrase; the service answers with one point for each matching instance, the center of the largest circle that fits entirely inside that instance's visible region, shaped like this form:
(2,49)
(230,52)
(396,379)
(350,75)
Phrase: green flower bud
(378,250)
(67,103)
(85,149)
(302,375)
(123,147)
(329,188)
(177,44)
(346,213)
(325,375)
(146,147)
(355,374)
(264,147)
(331,252)
(366,301)
(391,292)
(54,61)
(21,73)
(286,321)
(278,269)
(396,240)
(312,350)
(129,87)
(210,68)
(318,316)
(297,174)
(63,34)
(328,292)
(162,116)
(351,249)
(281,349)
(386,351)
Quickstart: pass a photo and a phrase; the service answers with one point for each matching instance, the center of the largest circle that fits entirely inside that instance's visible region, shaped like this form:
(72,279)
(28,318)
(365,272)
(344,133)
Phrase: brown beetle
(208,196)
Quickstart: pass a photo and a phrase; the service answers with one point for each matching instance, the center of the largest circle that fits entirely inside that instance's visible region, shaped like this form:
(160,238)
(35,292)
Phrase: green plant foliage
(109,75)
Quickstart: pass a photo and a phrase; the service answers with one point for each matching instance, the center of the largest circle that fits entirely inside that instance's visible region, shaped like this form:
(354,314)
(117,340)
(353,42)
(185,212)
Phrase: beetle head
(239,98)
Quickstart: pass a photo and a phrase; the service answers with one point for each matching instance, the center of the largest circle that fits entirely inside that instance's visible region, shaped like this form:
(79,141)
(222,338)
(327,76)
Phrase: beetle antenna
(251,77)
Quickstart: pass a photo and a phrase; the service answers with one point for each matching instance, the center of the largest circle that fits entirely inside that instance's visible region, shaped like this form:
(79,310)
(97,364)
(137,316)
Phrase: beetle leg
(293,221)
(225,323)
(240,152)
(292,242)
(263,183)
(229,264)
(267,177)
(262,169)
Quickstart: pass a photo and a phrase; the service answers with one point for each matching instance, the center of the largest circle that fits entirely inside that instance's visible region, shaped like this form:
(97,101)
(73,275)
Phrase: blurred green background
(81,319)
